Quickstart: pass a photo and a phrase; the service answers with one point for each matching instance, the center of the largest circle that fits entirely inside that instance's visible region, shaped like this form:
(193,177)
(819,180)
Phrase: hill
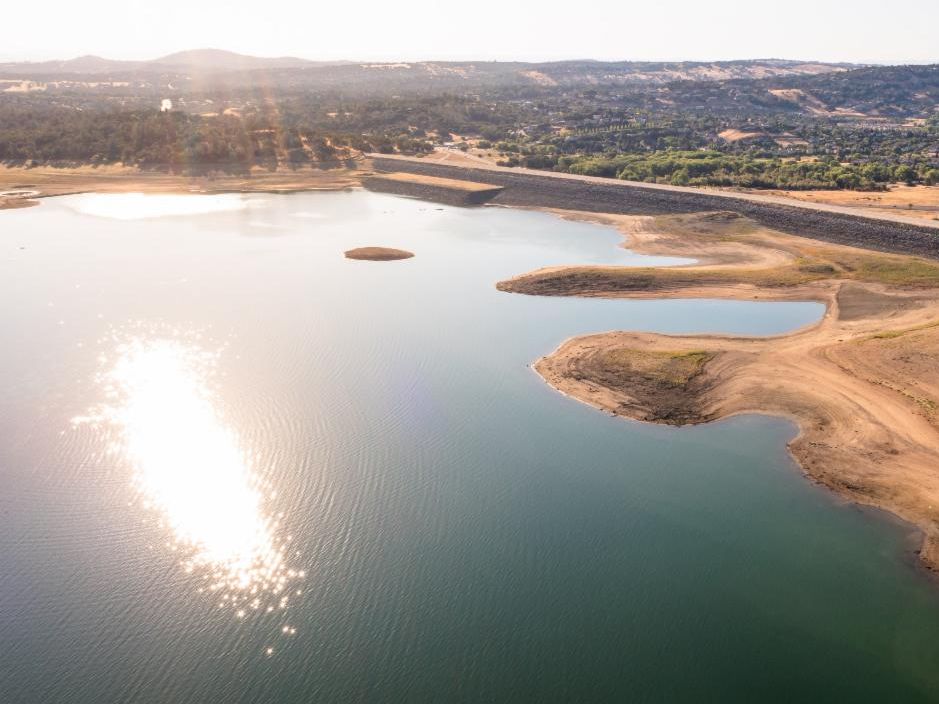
(207,60)
(440,73)
(197,60)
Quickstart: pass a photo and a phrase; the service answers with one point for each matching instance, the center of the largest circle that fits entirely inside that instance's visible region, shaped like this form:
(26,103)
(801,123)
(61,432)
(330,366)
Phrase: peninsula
(862,384)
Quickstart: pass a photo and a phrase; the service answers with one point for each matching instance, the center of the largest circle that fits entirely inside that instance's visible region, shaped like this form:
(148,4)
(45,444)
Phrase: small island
(378,254)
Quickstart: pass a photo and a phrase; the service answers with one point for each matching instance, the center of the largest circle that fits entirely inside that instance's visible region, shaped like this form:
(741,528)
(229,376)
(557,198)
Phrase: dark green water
(466,534)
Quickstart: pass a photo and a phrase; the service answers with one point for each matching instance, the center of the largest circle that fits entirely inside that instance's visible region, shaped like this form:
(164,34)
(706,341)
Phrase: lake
(237,467)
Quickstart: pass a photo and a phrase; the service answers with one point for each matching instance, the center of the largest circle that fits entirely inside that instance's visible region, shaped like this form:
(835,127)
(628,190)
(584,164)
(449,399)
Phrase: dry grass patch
(672,369)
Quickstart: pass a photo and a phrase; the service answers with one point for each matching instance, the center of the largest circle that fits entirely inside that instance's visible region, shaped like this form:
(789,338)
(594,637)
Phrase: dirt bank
(440,190)
(736,257)
(7,203)
(115,179)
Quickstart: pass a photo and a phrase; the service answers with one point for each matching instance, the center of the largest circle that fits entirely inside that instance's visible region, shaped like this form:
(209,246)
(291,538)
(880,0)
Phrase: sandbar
(378,254)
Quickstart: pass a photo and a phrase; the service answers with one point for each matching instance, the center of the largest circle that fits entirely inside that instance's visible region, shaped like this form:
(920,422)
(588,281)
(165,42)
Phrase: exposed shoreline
(385,162)
(823,222)
(50,182)
(439,190)
(862,384)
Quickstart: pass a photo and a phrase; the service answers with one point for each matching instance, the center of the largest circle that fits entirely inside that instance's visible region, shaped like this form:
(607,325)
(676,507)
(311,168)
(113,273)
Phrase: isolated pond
(237,467)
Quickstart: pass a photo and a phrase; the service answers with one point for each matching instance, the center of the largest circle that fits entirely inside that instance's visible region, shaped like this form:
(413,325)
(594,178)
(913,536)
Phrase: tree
(905,174)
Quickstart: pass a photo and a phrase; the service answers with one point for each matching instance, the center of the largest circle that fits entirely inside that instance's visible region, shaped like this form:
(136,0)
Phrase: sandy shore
(862,384)
(11,202)
(115,179)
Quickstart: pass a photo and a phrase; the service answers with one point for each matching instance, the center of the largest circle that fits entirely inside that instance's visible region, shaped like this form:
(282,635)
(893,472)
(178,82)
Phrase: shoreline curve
(861,384)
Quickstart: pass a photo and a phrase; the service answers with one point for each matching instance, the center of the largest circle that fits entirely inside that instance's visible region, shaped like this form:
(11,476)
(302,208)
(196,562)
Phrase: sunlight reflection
(139,206)
(191,471)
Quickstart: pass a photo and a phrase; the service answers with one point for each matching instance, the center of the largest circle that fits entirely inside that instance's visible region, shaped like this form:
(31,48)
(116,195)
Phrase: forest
(839,129)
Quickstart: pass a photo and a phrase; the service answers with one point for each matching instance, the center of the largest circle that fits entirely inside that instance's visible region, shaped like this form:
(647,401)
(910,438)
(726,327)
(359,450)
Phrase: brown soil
(910,201)
(11,203)
(447,183)
(378,254)
(836,224)
(863,384)
(717,240)
(739,135)
(473,157)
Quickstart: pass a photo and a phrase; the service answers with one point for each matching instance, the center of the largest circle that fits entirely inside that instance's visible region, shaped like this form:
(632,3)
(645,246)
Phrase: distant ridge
(196,60)
(219,61)
(83,64)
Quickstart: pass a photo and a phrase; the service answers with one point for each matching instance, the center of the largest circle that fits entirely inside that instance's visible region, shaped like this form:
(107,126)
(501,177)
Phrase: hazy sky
(830,30)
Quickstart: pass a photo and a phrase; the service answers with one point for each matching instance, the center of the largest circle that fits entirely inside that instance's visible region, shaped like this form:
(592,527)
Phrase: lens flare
(190,469)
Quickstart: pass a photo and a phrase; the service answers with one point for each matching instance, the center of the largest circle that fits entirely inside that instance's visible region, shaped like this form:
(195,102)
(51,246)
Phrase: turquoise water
(458,530)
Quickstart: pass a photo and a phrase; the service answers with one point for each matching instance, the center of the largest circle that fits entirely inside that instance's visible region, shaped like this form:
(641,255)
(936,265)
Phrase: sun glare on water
(140,206)
(192,472)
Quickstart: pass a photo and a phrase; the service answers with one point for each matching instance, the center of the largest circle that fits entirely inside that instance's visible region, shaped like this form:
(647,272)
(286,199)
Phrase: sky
(861,31)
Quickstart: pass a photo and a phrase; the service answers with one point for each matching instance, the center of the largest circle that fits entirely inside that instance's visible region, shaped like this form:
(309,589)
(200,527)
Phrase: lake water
(237,467)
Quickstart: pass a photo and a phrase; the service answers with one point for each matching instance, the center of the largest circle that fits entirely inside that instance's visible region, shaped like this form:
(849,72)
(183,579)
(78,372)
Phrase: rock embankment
(525,188)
